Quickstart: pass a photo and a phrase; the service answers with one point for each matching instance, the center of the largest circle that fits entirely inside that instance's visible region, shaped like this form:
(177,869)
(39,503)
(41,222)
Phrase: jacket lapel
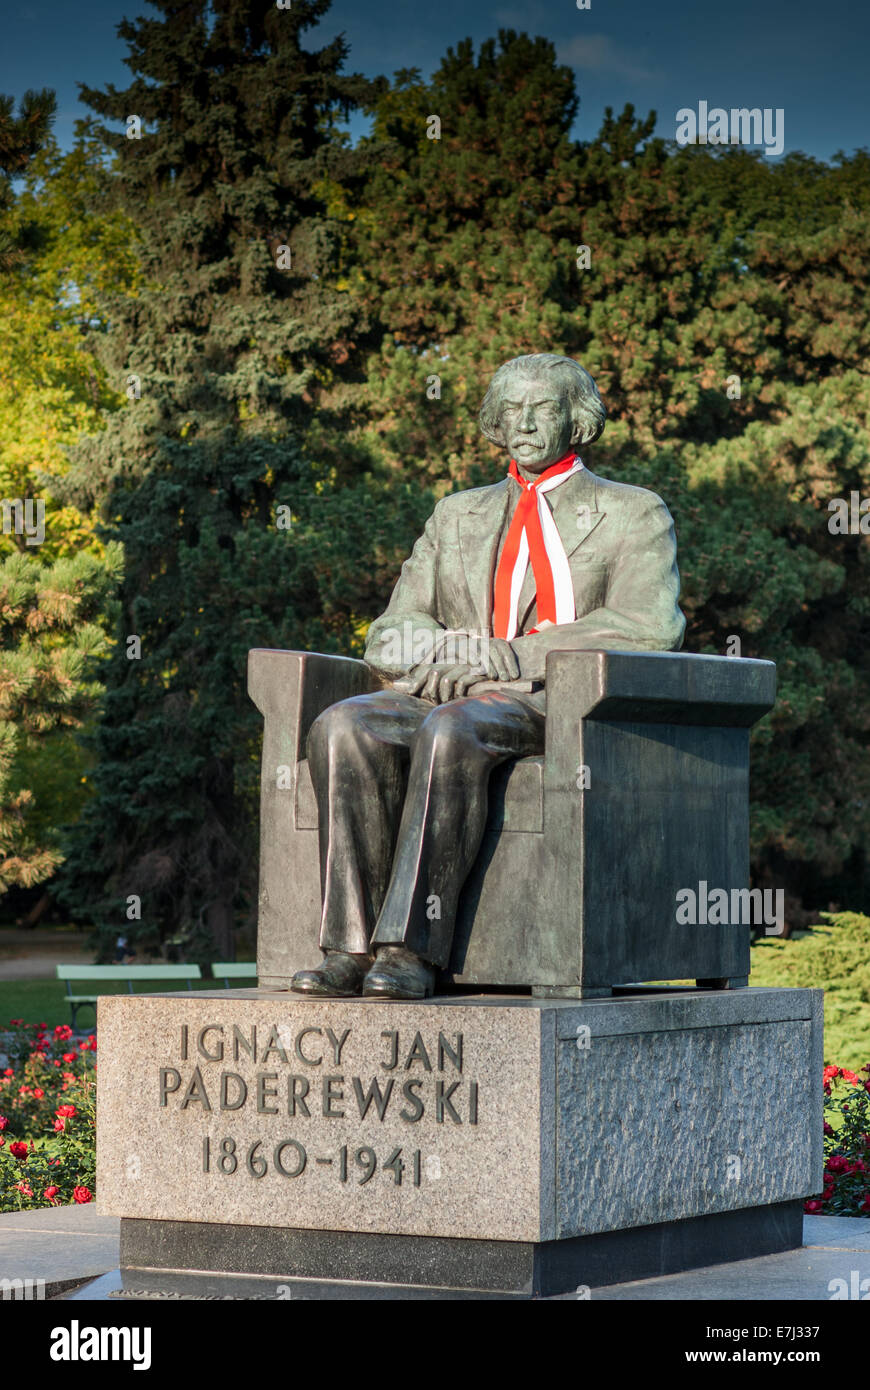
(480,529)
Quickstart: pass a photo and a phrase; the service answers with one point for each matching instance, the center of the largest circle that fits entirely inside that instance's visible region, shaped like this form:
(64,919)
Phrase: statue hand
(441,681)
(500,660)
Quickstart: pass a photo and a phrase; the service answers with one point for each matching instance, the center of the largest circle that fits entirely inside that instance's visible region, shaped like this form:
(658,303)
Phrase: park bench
(130,973)
(227,970)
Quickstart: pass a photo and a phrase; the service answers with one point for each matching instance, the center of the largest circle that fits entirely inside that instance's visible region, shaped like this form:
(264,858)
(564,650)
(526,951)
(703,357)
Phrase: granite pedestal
(499,1143)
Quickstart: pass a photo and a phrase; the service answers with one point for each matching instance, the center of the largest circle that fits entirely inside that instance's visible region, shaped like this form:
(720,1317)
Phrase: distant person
(123,954)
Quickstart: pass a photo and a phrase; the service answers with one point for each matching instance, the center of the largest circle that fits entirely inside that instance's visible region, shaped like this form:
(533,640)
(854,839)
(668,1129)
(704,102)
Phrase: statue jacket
(621,549)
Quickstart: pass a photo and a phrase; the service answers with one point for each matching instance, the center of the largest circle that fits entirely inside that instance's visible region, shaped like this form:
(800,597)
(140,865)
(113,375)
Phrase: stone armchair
(643,791)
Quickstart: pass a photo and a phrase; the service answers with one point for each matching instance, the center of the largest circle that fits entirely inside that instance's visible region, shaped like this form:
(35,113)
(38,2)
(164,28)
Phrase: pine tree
(21,137)
(226,476)
(467,238)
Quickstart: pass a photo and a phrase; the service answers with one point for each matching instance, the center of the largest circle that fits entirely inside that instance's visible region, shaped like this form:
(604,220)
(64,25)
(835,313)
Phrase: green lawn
(44,1001)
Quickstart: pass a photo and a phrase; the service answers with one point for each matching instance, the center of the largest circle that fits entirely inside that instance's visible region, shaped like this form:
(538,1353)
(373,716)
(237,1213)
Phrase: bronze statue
(551,558)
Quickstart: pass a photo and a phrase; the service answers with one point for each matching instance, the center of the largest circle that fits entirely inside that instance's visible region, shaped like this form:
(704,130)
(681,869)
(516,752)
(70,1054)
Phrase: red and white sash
(533,536)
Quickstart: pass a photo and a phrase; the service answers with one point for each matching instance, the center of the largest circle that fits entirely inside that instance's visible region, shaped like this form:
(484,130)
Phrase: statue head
(540,406)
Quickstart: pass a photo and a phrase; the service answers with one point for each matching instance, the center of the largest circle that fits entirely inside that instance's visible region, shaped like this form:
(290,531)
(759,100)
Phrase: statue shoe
(340,975)
(398,974)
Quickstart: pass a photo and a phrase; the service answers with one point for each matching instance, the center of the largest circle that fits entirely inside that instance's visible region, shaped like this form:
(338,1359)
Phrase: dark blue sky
(811,59)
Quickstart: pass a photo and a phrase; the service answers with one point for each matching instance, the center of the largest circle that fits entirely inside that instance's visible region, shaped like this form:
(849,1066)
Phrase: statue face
(535,419)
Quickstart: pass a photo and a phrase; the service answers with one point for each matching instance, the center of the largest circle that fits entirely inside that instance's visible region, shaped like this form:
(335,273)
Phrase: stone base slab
(151,1249)
(489,1119)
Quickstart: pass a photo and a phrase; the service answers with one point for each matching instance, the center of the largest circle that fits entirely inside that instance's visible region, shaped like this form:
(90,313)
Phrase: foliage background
(308,387)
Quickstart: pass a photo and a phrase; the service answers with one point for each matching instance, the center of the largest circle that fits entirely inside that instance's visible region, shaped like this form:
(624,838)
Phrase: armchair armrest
(660,687)
(296,687)
(588,689)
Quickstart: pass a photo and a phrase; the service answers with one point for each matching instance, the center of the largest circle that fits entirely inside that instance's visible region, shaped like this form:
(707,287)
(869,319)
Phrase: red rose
(50,1193)
(828,1129)
(65,1112)
(15,1022)
(3,1123)
(82,1195)
(18,1150)
(59,1126)
(38,1093)
(837,1163)
(24,1188)
(827,1194)
(63,1031)
(9,1072)
(70,1056)
(813,1208)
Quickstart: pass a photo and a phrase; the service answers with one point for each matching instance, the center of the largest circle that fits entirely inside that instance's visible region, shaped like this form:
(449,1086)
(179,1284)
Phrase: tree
(56,581)
(50,636)
(21,137)
(227,475)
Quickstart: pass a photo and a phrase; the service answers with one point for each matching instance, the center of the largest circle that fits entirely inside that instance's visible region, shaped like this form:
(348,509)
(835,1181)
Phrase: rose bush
(47,1118)
(846,1190)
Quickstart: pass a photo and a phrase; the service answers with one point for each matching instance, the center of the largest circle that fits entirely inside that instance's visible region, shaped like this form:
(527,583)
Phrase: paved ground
(60,1245)
(32,955)
(835,1248)
(65,1246)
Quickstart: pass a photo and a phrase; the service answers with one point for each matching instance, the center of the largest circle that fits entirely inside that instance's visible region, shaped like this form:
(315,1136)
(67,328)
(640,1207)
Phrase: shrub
(833,956)
(47,1119)
(847,1145)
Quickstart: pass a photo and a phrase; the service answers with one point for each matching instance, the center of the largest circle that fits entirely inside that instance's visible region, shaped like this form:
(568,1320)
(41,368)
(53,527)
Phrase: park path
(32,955)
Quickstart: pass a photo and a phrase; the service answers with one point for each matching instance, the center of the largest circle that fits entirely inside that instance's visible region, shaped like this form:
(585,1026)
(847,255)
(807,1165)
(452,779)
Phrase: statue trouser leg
(358,755)
(453,753)
(398,857)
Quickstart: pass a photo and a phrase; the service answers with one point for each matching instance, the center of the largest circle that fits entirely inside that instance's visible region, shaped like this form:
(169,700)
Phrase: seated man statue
(550,558)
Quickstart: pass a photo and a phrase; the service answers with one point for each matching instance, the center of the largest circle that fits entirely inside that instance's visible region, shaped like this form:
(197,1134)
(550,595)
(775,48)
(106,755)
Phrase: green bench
(130,973)
(227,970)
